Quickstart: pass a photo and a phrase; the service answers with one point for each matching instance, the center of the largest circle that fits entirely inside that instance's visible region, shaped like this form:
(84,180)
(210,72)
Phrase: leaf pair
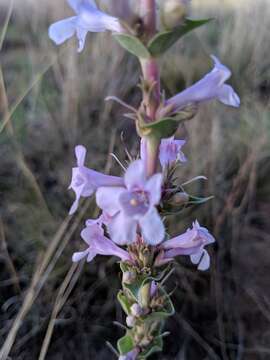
(160,43)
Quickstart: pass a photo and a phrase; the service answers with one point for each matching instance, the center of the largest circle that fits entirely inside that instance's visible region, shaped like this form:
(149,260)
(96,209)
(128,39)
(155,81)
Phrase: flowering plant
(135,205)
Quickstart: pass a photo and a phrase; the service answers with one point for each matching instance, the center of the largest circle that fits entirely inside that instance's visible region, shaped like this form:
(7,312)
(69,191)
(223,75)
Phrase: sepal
(125,344)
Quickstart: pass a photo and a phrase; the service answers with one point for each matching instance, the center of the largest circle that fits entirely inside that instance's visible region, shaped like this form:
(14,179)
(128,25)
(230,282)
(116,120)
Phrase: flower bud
(180,198)
(130,320)
(173,12)
(129,277)
(136,310)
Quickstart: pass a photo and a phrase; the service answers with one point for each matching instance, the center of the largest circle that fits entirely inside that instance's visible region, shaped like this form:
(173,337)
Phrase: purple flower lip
(191,243)
(211,87)
(134,205)
(88,18)
(86,181)
(98,244)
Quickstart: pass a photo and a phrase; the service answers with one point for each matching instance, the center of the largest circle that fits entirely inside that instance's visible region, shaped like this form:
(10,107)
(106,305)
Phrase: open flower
(170,151)
(88,19)
(133,205)
(191,243)
(98,244)
(85,181)
(212,86)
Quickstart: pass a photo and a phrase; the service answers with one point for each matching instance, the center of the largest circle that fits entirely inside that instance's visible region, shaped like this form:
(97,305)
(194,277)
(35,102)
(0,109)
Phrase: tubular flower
(98,244)
(191,243)
(212,86)
(88,19)
(133,205)
(170,151)
(85,181)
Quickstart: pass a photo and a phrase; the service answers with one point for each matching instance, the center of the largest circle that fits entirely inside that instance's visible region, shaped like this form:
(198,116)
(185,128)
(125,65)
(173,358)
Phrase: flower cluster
(129,211)
(134,206)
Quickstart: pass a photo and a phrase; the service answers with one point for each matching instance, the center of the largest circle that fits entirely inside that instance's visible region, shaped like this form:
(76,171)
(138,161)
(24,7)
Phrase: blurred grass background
(52,99)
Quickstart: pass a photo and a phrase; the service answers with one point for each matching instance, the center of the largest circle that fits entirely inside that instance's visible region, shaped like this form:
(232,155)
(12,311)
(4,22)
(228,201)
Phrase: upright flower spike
(88,19)
(98,244)
(134,205)
(211,87)
(191,243)
(85,181)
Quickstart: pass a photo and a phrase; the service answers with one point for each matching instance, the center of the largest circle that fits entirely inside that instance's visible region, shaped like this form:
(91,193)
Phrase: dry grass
(52,99)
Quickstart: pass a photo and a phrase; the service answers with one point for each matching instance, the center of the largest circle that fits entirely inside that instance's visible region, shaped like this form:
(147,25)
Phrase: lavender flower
(133,205)
(88,19)
(170,151)
(212,86)
(97,243)
(85,181)
(191,243)
(132,355)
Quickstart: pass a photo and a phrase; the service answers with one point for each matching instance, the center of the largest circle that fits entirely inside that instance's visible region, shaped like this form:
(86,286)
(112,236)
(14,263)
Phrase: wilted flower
(88,19)
(98,244)
(133,205)
(85,181)
(170,151)
(212,86)
(191,243)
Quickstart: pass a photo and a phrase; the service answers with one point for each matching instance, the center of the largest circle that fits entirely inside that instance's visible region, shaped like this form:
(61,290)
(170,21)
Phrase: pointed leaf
(164,40)
(133,45)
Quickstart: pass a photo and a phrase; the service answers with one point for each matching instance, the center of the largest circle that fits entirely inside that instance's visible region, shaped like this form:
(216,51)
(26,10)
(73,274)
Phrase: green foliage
(164,40)
(133,45)
(125,344)
(124,302)
(160,43)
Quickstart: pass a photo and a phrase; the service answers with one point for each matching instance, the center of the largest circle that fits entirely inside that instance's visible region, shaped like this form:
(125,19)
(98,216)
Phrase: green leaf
(133,45)
(125,344)
(163,128)
(124,302)
(164,40)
